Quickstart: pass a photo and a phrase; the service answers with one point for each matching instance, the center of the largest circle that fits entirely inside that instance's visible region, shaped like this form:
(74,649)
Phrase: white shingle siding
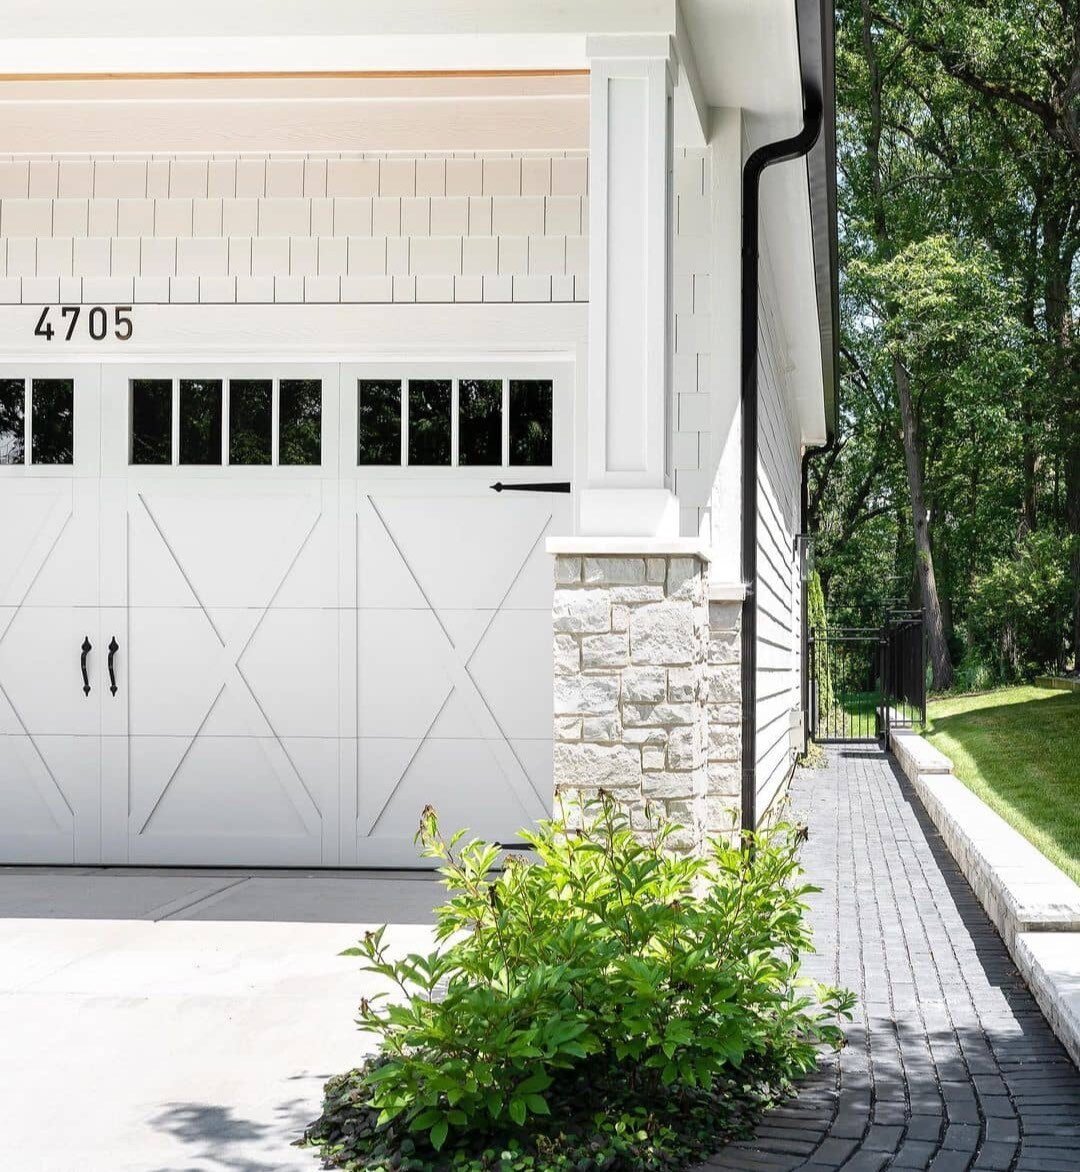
(477,227)
(690,279)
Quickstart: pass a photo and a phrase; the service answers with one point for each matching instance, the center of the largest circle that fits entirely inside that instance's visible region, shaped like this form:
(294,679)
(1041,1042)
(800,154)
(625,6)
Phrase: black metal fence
(866,681)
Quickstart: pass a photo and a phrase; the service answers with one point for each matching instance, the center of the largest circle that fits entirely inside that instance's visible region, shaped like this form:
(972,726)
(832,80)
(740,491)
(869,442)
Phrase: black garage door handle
(542,486)
(87,647)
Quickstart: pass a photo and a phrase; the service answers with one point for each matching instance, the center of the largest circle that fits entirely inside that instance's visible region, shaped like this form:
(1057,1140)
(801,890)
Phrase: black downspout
(765,156)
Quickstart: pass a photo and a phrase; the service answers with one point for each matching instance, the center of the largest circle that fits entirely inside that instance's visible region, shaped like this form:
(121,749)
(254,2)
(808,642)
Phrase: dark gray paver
(949,1065)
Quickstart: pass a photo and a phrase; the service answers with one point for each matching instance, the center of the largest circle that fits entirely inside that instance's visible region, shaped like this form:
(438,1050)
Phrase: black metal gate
(866,681)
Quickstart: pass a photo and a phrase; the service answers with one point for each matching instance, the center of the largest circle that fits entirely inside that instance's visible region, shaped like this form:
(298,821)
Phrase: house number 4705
(96,320)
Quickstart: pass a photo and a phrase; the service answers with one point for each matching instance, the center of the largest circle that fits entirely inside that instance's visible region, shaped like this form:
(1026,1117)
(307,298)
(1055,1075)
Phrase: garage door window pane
(151,421)
(530,422)
(200,421)
(300,425)
(251,407)
(480,421)
(429,421)
(52,406)
(379,414)
(12,421)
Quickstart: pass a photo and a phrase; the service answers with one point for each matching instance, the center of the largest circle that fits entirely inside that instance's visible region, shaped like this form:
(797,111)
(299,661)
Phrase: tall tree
(1022,59)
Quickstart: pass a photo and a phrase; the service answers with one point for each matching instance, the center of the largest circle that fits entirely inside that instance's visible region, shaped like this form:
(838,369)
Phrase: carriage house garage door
(261,615)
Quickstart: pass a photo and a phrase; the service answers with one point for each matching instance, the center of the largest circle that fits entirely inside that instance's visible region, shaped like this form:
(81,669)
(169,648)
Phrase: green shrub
(818,622)
(610,1004)
(1018,616)
(974,673)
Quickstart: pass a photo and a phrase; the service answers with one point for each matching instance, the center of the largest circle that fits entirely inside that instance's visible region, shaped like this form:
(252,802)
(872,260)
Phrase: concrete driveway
(168,1021)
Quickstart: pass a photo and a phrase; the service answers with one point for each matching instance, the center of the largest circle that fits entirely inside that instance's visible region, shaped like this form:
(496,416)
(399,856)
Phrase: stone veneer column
(722,806)
(632,684)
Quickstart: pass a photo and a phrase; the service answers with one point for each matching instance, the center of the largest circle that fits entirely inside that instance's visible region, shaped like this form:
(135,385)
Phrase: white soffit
(786,231)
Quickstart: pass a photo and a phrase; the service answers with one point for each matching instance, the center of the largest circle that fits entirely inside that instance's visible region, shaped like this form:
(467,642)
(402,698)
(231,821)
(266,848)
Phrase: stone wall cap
(727,592)
(630,547)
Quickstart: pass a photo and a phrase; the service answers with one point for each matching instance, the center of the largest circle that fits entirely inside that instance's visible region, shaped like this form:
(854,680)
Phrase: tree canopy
(959,438)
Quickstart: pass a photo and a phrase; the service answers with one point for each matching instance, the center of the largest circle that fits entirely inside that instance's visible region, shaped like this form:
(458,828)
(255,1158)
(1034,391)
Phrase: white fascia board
(693,127)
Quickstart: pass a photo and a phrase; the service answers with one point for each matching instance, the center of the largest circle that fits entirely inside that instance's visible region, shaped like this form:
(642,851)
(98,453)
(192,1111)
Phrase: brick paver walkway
(950,1064)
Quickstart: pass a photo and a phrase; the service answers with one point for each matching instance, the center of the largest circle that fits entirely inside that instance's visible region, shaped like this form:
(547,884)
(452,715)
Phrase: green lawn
(1019,750)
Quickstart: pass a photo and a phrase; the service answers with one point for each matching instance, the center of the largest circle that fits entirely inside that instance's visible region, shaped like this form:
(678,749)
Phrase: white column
(627,489)
(725,355)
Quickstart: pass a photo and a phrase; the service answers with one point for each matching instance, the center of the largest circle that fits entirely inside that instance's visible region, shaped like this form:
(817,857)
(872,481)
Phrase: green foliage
(610,996)
(974,673)
(818,621)
(959,203)
(1020,608)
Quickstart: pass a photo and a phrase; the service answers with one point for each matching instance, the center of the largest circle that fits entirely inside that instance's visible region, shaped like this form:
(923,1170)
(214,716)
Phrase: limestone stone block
(653,758)
(645,736)
(725,742)
(635,595)
(595,695)
(567,655)
(582,612)
(686,748)
(725,616)
(593,766)
(655,570)
(725,682)
(683,683)
(612,571)
(568,728)
(658,714)
(567,570)
(668,785)
(605,650)
(620,618)
(685,578)
(724,646)
(663,634)
(725,713)
(602,729)
(725,779)
(720,813)
(646,685)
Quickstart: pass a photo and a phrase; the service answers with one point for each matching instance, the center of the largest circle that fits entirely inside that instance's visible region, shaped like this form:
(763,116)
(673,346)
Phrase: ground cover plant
(1017,749)
(605,1004)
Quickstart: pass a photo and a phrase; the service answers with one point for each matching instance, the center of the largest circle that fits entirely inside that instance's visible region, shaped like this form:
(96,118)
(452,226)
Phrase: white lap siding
(778,596)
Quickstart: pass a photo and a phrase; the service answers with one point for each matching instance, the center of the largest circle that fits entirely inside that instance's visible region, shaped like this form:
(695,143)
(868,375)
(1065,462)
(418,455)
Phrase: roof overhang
(816,38)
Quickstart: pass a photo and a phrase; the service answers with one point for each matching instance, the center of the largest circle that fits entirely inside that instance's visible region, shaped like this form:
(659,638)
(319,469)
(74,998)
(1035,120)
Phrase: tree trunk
(937,645)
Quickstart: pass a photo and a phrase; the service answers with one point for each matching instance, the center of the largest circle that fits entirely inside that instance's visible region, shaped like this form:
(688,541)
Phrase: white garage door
(305,612)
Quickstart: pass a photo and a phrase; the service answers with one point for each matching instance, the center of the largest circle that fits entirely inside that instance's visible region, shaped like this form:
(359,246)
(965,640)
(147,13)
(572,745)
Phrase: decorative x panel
(223,673)
(455,634)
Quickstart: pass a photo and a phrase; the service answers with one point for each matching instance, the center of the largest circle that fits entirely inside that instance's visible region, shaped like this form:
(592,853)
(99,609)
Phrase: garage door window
(466,422)
(236,422)
(42,428)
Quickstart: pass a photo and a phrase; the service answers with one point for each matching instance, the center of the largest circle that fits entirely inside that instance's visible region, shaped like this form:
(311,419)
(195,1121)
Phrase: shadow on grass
(1023,759)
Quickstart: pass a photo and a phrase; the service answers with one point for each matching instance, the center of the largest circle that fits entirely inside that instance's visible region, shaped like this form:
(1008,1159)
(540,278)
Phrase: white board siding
(470,227)
(778,599)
